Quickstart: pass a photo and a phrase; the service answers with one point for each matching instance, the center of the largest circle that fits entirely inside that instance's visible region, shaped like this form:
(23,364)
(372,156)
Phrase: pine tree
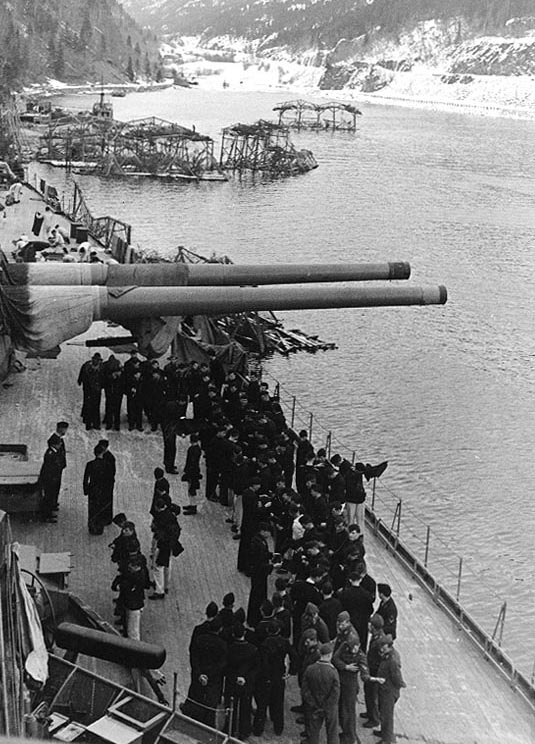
(130,70)
(59,62)
(86,31)
(51,51)
(13,66)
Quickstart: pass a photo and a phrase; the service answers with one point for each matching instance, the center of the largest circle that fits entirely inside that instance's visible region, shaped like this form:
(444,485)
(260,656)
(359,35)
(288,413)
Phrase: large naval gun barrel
(202,274)
(143,301)
(42,317)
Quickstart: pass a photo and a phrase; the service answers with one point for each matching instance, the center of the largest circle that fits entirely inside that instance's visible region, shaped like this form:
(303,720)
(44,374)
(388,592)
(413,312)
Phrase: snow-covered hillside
(421,85)
(415,50)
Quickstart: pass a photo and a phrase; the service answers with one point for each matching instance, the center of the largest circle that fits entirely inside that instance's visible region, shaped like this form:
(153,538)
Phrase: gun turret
(40,318)
(201,274)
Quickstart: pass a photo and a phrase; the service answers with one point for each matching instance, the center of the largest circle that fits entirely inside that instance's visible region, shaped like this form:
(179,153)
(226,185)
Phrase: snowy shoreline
(485,95)
(57,88)
(511,97)
(424,88)
(474,108)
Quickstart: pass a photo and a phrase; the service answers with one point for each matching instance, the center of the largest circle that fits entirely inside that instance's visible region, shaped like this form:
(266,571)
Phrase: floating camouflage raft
(331,116)
(258,333)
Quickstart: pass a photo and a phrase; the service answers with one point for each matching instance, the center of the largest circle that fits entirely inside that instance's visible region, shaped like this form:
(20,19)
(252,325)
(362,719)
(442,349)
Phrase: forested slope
(74,40)
(322,23)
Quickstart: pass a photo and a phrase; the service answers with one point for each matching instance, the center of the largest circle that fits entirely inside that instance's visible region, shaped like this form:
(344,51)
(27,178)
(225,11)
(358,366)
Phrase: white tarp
(36,661)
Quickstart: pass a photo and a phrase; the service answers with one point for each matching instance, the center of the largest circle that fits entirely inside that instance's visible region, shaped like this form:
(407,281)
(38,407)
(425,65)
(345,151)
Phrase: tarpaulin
(209,332)
(34,649)
(39,321)
(232,356)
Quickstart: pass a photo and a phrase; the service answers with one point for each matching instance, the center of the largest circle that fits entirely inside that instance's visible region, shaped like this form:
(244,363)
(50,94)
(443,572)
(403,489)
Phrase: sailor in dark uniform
(114,388)
(192,473)
(171,410)
(61,430)
(243,664)
(388,610)
(50,479)
(249,523)
(208,653)
(131,366)
(271,680)
(134,396)
(96,488)
(152,393)
(161,487)
(260,568)
(90,378)
(109,459)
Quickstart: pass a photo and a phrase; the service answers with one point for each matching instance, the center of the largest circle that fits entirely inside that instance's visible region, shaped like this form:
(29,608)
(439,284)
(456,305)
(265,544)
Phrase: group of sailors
(134,578)
(98,481)
(298,514)
(245,669)
(157,396)
(98,485)
(29,250)
(322,609)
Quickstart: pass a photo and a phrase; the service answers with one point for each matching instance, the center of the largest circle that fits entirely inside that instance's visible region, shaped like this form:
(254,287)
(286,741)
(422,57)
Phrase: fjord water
(445,394)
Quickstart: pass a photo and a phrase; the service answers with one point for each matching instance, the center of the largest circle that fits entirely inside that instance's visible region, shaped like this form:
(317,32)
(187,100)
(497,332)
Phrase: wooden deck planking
(453,696)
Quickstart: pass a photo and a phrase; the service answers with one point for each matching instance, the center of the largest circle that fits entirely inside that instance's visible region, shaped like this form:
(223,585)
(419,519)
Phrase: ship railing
(107,230)
(429,557)
(113,234)
(88,699)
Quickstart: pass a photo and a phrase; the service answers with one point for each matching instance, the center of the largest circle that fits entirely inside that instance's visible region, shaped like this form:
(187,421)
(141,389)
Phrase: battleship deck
(453,694)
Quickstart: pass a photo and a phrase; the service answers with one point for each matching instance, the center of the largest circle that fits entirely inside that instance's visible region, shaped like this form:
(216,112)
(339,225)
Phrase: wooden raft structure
(263,146)
(153,146)
(75,140)
(331,116)
(143,147)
